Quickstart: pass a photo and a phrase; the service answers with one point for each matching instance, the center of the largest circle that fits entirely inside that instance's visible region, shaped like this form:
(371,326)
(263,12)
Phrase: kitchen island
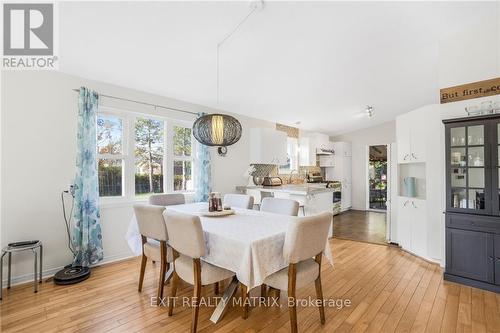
(312,199)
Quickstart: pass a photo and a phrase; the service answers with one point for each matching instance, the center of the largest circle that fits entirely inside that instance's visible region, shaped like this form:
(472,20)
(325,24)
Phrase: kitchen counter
(305,189)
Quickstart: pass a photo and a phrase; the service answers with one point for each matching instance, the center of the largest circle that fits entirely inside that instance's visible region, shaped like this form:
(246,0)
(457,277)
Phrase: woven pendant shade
(217,130)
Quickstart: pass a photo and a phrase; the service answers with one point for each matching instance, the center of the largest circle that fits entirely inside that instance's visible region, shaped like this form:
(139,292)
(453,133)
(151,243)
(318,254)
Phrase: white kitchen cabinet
(267,146)
(307,151)
(346,200)
(412,225)
(313,144)
(411,137)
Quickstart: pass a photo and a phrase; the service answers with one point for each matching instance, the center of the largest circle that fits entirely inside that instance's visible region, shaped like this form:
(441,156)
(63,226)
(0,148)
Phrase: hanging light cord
(229,35)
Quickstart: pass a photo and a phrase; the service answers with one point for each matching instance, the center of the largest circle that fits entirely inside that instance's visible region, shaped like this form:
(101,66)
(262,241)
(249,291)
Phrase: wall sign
(471,90)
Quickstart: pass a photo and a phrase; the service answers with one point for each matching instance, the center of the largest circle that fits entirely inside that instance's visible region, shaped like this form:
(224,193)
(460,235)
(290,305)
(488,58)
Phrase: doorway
(377,178)
(374,222)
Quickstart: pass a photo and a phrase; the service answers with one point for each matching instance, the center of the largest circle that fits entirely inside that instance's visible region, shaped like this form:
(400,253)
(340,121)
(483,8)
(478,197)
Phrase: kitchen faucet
(291,174)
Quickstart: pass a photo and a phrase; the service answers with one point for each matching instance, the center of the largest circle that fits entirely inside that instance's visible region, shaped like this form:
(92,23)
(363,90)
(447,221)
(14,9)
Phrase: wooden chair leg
(244,296)
(216,288)
(143,270)
(196,294)
(319,291)
(292,307)
(143,263)
(263,291)
(163,270)
(173,293)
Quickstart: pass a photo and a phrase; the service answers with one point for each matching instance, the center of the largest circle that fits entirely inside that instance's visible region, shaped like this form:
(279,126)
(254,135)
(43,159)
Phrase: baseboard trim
(49,273)
(471,282)
(430,261)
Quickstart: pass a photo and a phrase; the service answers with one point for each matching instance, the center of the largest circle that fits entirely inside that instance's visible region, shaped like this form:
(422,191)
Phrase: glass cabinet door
(495,167)
(467,161)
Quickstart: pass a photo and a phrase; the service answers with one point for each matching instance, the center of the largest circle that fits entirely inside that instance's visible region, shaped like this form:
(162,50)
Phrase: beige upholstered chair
(167,199)
(258,195)
(305,239)
(238,200)
(188,242)
(154,242)
(280,206)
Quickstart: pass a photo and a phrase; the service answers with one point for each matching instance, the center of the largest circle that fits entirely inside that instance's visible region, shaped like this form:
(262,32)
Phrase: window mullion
(130,158)
(168,180)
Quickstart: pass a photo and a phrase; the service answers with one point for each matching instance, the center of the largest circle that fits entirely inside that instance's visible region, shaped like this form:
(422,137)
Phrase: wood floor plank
(390,290)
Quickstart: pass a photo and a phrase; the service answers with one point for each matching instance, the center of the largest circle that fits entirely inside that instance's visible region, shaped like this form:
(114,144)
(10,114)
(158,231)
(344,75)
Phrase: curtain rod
(144,103)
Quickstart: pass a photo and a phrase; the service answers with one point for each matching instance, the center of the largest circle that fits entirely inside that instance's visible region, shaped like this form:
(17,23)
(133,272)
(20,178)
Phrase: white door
(418,137)
(392,170)
(418,227)
(403,125)
(404,222)
(346,201)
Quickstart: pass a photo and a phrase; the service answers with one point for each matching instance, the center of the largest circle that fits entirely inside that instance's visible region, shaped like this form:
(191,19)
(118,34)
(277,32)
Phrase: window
(149,142)
(292,151)
(183,159)
(110,155)
(159,158)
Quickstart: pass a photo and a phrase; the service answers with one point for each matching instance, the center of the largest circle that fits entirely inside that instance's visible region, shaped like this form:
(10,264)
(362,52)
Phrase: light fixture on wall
(217,130)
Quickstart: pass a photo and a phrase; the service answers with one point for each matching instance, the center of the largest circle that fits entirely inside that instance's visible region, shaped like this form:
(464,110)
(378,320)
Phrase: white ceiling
(319,63)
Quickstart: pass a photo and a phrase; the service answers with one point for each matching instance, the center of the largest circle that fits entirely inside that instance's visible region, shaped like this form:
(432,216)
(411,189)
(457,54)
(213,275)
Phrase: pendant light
(217,130)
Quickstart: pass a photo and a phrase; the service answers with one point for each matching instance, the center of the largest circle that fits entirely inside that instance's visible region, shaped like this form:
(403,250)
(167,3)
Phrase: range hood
(323,151)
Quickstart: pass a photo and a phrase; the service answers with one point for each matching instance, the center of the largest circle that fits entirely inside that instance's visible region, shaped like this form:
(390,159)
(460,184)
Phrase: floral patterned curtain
(203,170)
(86,236)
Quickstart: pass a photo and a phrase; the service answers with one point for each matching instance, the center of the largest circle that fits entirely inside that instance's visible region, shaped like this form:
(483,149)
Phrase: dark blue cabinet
(473,201)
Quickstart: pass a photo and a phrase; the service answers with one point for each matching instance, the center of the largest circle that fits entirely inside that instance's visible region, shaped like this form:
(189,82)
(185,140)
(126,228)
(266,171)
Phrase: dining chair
(280,206)
(154,242)
(261,195)
(305,239)
(167,199)
(238,200)
(188,242)
(284,195)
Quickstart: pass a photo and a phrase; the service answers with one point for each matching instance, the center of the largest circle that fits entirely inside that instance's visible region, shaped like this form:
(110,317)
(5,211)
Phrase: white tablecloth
(249,243)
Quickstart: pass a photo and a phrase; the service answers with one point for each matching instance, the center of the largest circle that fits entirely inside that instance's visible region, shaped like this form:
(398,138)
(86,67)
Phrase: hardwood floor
(389,291)
(360,225)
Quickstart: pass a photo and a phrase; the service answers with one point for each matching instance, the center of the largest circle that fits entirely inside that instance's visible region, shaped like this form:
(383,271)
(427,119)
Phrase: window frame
(120,157)
(185,124)
(294,165)
(128,154)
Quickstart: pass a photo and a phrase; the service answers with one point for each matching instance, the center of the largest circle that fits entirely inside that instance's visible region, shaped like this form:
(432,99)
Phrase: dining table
(248,243)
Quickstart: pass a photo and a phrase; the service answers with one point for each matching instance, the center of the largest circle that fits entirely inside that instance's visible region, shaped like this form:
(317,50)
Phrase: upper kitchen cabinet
(411,137)
(307,151)
(267,146)
(311,145)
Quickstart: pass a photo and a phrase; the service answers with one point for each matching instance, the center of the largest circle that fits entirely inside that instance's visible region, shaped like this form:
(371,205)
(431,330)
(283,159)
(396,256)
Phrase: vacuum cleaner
(70,274)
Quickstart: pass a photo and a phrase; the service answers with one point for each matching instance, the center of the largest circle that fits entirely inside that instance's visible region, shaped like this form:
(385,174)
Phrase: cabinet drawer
(473,222)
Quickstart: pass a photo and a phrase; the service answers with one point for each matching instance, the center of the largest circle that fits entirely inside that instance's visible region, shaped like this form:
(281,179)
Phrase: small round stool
(33,246)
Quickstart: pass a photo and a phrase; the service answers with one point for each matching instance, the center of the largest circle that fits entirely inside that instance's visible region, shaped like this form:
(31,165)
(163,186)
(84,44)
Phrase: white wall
(382,134)
(38,140)
(471,55)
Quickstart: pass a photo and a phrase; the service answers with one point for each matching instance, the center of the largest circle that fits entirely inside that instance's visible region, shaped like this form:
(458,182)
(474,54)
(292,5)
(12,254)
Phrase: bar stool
(22,246)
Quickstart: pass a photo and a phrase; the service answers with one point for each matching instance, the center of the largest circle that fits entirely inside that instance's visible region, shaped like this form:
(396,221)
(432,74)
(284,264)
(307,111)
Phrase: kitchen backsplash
(263,170)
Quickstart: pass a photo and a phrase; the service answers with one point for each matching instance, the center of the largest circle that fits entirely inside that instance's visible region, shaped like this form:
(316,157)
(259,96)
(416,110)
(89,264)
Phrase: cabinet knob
(491,258)
(473,223)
